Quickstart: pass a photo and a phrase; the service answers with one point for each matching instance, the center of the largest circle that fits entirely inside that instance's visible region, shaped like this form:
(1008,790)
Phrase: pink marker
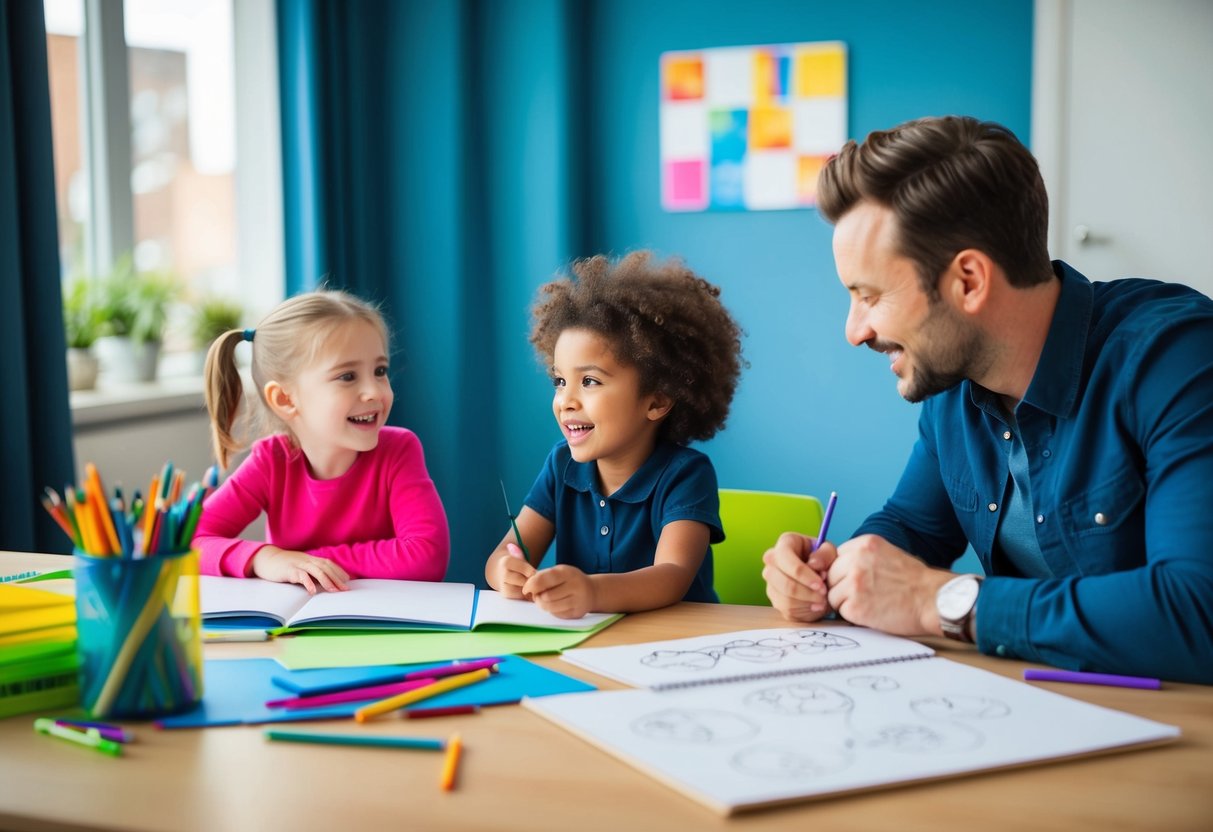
(352,695)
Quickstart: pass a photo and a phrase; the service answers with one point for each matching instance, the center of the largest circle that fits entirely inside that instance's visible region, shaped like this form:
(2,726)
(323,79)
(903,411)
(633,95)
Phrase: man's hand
(795,576)
(875,584)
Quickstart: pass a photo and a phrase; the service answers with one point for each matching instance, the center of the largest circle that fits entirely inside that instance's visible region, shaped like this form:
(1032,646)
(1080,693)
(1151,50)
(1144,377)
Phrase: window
(165,122)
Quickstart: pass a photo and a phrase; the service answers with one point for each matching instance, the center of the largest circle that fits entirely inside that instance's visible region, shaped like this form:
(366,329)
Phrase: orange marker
(450,766)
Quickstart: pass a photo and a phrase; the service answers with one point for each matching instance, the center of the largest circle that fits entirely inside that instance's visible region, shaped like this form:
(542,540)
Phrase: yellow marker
(451,765)
(417,694)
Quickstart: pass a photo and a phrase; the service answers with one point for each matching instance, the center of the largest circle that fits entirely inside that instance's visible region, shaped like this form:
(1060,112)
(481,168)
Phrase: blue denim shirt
(619,533)
(1118,427)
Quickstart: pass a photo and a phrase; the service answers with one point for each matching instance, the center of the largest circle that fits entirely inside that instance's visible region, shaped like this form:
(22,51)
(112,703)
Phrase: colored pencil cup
(139,628)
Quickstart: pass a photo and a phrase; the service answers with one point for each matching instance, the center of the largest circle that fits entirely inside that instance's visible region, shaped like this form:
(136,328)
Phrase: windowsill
(121,402)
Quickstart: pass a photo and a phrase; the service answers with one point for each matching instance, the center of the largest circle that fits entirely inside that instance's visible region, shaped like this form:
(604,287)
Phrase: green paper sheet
(330,649)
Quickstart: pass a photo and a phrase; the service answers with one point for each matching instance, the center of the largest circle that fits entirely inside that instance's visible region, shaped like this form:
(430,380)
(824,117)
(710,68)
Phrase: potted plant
(135,309)
(210,318)
(82,324)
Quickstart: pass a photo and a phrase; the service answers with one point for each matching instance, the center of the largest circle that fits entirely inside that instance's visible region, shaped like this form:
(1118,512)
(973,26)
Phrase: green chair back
(753,521)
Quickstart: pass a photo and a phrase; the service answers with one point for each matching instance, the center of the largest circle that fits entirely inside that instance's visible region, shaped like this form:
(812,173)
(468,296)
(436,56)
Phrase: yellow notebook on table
(38,661)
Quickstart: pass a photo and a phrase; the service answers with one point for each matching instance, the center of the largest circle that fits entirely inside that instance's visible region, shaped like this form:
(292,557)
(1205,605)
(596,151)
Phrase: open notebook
(371,604)
(762,717)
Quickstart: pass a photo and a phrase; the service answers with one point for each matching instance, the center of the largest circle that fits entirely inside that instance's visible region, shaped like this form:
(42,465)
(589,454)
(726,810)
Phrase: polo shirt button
(602,503)
(1046,453)
(1040,518)
(1101,519)
(993,506)
(604,530)
(1001,649)
(1006,434)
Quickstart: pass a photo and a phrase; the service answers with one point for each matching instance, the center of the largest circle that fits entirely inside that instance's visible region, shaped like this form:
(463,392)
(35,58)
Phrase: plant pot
(82,368)
(124,360)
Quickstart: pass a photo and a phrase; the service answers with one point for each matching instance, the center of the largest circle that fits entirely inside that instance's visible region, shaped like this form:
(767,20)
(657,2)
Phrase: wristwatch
(956,603)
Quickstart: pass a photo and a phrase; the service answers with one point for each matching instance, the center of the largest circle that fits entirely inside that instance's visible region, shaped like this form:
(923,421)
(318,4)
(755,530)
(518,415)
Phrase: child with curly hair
(644,359)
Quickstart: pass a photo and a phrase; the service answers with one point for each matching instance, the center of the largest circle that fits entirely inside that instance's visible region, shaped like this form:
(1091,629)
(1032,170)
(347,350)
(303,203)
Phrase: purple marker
(1082,678)
(825,521)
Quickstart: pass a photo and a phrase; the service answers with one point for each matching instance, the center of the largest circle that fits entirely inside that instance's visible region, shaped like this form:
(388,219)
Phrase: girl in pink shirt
(345,496)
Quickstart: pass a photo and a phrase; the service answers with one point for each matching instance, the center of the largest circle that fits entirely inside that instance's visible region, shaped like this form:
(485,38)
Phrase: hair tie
(249,334)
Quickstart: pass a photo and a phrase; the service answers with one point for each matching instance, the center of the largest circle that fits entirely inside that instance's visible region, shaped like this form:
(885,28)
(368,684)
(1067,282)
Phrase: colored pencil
(450,710)
(419,743)
(513,524)
(452,669)
(353,695)
(409,697)
(450,766)
(825,522)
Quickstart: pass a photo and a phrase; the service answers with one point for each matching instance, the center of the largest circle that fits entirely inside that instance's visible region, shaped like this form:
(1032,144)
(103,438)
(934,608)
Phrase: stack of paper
(37,650)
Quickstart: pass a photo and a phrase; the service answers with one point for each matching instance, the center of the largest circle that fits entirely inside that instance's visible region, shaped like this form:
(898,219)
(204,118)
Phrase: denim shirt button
(1006,434)
(604,530)
(1046,453)
(1101,519)
(1040,518)
(993,506)
(1001,649)
(602,503)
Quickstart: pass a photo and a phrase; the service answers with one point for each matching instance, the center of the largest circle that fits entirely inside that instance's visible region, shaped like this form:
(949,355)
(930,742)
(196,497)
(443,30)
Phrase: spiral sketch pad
(745,654)
(784,734)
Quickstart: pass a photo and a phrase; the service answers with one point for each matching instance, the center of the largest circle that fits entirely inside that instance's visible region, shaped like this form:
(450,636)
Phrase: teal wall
(446,157)
(572,162)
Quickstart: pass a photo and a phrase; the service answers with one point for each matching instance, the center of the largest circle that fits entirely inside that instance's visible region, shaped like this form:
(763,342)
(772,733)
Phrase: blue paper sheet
(236,690)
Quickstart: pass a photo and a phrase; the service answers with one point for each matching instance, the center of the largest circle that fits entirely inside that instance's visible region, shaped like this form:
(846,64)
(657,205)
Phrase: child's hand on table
(512,573)
(290,567)
(564,591)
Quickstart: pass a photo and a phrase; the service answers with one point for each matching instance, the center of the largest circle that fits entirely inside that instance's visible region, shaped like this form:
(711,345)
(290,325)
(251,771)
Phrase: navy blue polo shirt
(619,533)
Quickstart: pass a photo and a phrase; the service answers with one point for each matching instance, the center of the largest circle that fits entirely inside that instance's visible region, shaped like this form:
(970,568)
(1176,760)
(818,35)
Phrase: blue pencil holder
(139,634)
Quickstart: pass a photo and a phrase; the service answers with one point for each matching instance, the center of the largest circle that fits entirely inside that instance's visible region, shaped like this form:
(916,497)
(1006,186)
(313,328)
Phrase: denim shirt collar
(1054,386)
(583,476)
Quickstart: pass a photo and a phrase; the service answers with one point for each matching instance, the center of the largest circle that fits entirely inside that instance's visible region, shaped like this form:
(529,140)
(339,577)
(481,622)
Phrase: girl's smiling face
(341,400)
(599,406)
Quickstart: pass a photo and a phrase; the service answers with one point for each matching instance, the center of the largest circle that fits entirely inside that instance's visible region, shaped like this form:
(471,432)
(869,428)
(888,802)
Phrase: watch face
(956,598)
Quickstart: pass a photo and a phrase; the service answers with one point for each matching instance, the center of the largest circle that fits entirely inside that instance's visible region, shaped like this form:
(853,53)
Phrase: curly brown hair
(662,319)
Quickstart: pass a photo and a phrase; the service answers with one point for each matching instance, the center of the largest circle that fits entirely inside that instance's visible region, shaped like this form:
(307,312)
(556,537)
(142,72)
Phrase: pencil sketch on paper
(877,683)
(848,729)
(800,698)
(960,707)
(762,651)
(694,726)
(786,762)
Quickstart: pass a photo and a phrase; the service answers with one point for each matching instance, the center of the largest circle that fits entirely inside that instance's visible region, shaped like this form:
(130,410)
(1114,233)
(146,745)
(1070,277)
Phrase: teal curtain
(427,158)
(35,420)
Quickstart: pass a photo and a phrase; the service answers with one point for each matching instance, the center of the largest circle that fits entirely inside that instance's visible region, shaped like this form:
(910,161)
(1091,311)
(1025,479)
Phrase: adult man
(1067,430)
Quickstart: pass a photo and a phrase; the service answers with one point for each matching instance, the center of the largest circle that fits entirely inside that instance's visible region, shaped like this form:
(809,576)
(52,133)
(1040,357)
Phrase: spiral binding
(790,671)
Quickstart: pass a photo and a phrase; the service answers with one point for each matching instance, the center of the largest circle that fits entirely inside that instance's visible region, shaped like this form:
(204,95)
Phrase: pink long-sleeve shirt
(380,519)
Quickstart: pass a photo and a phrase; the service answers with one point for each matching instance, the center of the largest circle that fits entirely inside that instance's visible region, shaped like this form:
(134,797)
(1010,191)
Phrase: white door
(1123,126)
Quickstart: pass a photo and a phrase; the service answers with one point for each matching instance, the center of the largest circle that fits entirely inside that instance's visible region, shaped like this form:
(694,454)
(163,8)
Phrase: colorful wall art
(747,128)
